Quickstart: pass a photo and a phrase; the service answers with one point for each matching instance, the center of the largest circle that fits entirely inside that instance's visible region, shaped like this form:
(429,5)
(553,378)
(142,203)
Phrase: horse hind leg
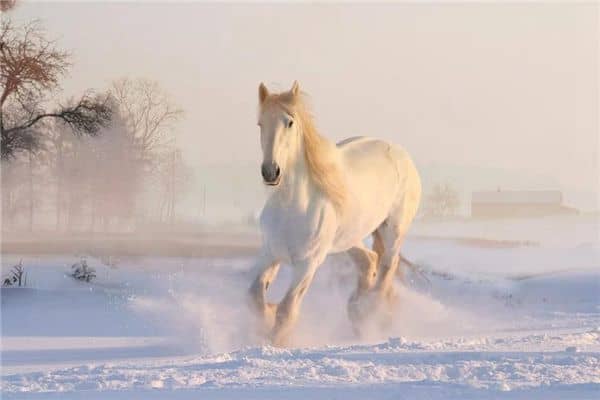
(379,249)
(378,246)
(366,261)
(390,237)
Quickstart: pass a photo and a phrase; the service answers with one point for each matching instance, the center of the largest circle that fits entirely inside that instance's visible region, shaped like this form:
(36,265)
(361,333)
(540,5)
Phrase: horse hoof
(279,339)
(264,321)
(360,308)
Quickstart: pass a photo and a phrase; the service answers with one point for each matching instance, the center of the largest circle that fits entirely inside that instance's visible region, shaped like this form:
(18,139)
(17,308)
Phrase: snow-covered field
(493,321)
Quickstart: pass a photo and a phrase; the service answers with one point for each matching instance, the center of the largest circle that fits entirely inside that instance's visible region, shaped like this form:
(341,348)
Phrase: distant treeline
(104,161)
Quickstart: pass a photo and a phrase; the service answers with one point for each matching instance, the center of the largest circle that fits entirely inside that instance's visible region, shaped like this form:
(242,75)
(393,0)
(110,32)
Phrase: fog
(130,251)
(483,96)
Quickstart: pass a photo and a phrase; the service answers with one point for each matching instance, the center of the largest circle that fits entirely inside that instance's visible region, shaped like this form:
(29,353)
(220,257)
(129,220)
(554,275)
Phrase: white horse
(326,199)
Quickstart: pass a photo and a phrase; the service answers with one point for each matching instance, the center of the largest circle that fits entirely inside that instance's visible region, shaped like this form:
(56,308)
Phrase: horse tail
(415,269)
(407,262)
(379,248)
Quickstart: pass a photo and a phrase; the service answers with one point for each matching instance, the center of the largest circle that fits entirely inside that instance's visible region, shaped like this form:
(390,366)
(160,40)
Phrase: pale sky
(510,88)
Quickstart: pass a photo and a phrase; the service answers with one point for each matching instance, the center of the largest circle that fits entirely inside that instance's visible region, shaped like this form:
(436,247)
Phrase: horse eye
(290,123)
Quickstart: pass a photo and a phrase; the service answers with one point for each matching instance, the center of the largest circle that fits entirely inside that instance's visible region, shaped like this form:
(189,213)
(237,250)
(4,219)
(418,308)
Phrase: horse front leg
(289,307)
(268,269)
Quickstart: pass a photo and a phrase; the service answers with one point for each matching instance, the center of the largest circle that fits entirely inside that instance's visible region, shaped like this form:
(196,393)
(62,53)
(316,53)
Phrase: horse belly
(373,192)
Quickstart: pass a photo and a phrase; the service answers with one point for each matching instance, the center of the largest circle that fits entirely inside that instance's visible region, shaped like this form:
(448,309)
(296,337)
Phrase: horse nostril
(270,172)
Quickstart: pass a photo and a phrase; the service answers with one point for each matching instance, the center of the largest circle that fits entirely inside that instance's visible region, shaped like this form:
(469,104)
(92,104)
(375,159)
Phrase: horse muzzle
(271,173)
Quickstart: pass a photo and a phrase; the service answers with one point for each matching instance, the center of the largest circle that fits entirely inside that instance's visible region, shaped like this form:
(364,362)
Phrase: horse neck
(298,185)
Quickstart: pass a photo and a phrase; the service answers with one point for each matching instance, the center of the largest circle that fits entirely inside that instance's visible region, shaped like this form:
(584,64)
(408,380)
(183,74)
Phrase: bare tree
(149,114)
(6,5)
(57,144)
(30,68)
(174,178)
(14,191)
(443,201)
(114,186)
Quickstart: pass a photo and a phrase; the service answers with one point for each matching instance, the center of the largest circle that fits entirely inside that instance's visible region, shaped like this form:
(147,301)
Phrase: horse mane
(319,153)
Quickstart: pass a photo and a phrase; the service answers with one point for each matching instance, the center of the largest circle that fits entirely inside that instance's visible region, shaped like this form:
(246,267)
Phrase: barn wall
(517,210)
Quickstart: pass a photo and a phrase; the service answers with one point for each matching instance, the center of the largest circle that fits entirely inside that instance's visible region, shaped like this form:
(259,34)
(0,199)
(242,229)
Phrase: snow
(494,321)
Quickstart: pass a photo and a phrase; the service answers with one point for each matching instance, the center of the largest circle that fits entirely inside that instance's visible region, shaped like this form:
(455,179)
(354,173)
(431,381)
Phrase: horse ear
(295,89)
(263,92)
